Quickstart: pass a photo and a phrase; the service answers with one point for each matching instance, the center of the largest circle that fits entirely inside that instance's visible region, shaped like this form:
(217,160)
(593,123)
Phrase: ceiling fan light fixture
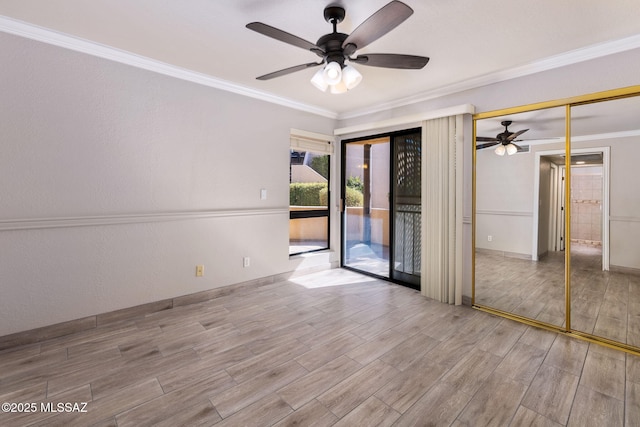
(339,87)
(351,77)
(511,149)
(332,73)
(318,80)
(500,150)
(336,78)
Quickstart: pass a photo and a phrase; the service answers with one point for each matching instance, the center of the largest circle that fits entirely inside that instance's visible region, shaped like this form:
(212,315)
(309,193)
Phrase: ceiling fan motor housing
(334,14)
(503,137)
(331,44)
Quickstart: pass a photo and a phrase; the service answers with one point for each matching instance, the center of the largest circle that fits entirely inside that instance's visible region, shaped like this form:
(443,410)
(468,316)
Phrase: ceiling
(600,120)
(467,41)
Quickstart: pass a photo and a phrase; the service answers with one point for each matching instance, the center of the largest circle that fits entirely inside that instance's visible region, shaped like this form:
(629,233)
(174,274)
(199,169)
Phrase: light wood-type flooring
(329,348)
(603,303)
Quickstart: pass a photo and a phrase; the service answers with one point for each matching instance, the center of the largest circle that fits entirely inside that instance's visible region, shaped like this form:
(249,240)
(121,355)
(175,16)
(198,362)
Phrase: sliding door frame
(392,208)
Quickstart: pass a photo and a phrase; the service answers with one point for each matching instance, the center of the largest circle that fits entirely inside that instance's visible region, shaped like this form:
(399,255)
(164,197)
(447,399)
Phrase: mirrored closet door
(605,220)
(519,251)
(557,215)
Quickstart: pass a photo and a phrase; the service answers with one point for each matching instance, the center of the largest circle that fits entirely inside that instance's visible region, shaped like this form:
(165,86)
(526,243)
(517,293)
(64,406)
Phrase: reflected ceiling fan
(336,48)
(504,140)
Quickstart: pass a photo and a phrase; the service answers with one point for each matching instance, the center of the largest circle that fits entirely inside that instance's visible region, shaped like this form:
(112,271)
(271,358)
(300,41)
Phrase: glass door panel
(366,200)
(519,266)
(605,220)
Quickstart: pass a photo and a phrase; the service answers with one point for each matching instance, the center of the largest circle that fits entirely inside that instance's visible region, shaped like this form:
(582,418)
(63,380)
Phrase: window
(309,194)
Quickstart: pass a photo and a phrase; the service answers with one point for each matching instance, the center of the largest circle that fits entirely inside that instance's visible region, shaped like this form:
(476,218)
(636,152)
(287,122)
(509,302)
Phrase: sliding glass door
(366,192)
(381,206)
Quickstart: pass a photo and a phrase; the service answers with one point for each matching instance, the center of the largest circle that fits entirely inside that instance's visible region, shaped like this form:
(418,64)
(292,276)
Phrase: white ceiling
(601,120)
(466,40)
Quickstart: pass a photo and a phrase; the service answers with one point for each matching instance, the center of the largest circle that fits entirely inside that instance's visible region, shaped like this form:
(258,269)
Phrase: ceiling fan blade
(520,149)
(377,25)
(283,36)
(392,60)
(517,134)
(486,145)
(288,71)
(486,139)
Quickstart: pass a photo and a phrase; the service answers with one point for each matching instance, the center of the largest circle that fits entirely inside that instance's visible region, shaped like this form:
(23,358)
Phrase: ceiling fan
(504,140)
(336,48)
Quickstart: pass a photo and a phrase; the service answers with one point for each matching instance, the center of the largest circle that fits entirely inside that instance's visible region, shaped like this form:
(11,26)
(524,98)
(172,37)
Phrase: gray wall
(504,207)
(116,182)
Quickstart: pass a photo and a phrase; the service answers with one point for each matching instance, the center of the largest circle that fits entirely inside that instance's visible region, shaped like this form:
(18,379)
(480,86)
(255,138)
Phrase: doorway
(381,199)
(589,204)
(586,209)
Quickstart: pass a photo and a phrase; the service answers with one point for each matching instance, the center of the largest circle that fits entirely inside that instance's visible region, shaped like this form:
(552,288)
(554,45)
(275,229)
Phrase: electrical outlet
(489,238)
(199,270)
(246,261)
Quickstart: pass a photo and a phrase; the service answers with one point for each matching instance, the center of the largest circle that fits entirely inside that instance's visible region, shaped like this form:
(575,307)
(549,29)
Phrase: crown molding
(30,31)
(34,32)
(556,61)
(607,135)
(585,138)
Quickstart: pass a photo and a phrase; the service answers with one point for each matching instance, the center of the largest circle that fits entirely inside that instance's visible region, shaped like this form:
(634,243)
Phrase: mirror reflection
(605,220)
(519,251)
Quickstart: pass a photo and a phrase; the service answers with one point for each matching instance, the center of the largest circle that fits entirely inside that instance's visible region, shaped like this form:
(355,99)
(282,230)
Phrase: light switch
(263,194)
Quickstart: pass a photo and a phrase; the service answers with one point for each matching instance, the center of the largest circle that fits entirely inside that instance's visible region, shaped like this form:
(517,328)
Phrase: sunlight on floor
(334,277)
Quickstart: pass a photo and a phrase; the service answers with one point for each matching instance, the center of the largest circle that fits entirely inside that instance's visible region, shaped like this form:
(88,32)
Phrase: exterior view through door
(382,206)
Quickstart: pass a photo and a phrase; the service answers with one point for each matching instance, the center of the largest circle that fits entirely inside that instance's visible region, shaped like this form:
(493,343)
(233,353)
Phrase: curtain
(442,179)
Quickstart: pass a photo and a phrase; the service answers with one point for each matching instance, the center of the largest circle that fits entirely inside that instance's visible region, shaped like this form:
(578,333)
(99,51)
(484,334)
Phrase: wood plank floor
(329,348)
(603,303)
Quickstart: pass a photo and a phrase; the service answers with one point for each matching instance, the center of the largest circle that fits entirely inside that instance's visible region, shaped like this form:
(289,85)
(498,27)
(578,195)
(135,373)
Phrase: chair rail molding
(89,221)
